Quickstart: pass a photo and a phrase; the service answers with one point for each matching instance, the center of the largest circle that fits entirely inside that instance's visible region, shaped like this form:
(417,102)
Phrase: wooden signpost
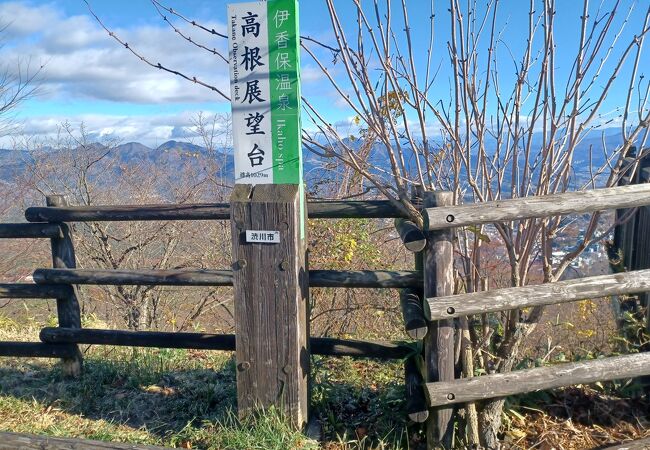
(267,212)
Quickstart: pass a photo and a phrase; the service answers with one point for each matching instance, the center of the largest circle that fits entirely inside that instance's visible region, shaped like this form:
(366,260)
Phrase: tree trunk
(492,411)
(490,423)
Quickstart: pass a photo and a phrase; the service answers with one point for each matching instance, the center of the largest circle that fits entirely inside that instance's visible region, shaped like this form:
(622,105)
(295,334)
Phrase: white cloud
(312,74)
(83,62)
(23,19)
(151,130)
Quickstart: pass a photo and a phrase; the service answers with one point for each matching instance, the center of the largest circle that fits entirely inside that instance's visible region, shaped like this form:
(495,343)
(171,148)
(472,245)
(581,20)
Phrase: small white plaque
(263,236)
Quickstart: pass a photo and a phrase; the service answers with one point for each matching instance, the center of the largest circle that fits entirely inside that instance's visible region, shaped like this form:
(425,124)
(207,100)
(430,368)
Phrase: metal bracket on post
(271,297)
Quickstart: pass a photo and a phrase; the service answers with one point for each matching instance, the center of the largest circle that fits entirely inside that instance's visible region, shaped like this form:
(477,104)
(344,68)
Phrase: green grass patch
(187,399)
(360,404)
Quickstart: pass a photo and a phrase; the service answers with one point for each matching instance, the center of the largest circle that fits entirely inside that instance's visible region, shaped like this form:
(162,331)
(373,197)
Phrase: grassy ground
(186,399)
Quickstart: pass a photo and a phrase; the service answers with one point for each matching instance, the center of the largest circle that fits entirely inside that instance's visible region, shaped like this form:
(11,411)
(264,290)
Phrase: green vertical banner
(264,58)
(284,80)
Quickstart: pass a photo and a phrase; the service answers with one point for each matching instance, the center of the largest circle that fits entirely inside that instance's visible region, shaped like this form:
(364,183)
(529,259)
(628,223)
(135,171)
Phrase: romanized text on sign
(265,92)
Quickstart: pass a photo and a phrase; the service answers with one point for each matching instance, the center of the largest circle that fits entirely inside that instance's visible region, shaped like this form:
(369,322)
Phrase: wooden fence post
(642,251)
(439,342)
(642,244)
(630,238)
(67,307)
(271,298)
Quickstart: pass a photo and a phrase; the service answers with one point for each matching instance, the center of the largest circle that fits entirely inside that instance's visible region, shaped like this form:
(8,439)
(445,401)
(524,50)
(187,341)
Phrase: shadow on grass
(146,389)
(177,395)
(361,404)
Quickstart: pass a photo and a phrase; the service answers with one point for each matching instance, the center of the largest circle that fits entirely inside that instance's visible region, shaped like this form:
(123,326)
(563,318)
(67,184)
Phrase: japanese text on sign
(264,77)
(262,237)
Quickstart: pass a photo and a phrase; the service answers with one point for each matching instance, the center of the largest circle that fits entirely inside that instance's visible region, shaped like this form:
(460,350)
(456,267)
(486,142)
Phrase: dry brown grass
(579,418)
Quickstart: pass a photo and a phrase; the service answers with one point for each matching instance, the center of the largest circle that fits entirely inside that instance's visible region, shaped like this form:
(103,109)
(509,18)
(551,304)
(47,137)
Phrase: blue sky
(87,77)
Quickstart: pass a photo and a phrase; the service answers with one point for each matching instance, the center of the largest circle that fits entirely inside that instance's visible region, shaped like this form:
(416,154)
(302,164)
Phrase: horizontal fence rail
(30,230)
(640,444)
(541,378)
(377,209)
(365,278)
(36,350)
(185,277)
(13,441)
(537,295)
(435,218)
(203,341)
(30,290)
(178,277)
(539,206)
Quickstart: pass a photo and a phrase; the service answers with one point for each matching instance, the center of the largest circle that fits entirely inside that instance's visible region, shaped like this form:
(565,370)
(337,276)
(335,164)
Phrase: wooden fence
(631,246)
(426,295)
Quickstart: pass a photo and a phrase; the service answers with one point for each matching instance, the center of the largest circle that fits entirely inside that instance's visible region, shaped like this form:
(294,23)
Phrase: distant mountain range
(175,153)
(171,153)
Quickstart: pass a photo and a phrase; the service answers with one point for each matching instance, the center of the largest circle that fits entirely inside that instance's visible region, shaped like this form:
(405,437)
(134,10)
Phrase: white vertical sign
(265,91)
(250,93)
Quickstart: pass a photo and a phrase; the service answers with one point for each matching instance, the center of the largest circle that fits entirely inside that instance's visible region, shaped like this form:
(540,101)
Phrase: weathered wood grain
(621,232)
(642,244)
(624,232)
(366,209)
(411,235)
(438,274)
(29,290)
(355,209)
(122,213)
(37,350)
(271,300)
(159,339)
(529,380)
(640,444)
(642,260)
(415,323)
(177,277)
(637,248)
(537,295)
(360,349)
(629,247)
(538,206)
(21,441)
(204,277)
(68,311)
(205,341)
(30,230)
(365,278)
